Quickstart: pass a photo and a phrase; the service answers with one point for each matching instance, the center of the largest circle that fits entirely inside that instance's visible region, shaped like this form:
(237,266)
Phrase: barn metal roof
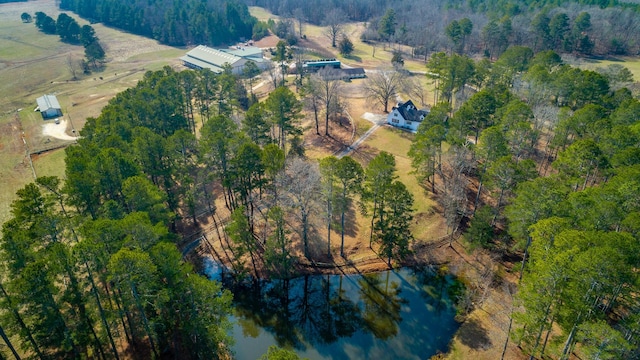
(47,102)
(245,51)
(206,57)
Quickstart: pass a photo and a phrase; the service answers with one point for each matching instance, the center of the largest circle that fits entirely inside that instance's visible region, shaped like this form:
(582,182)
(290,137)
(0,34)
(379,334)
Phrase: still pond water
(400,314)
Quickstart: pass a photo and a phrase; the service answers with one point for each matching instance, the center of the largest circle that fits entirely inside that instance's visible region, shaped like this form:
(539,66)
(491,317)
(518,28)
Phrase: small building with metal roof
(315,65)
(49,106)
(354,73)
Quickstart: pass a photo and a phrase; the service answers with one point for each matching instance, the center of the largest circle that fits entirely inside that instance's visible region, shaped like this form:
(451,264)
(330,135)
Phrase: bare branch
(382,86)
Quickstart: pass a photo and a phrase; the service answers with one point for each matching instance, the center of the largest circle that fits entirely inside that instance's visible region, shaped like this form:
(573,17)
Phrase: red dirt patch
(267,42)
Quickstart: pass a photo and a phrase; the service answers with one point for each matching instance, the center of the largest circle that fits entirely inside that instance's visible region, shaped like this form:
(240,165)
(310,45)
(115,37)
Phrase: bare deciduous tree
(301,184)
(298,59)
(334,21)
(329,83)
(74,65)
(454,185)
(312,99)
(382,86)
(416,89)
(273,74)
(298,14)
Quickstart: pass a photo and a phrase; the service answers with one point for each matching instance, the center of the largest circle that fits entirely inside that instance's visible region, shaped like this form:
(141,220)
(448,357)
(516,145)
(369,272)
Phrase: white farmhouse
(406,116)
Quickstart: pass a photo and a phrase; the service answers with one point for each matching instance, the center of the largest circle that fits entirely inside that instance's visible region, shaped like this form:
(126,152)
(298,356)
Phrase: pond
(400,314)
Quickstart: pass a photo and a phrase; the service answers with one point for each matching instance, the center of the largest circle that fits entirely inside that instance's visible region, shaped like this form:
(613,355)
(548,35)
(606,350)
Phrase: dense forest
(179,23)
(551,156)
(582,27)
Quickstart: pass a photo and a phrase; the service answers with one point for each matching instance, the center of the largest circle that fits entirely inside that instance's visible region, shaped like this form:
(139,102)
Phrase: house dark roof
(409,111)
(354,72)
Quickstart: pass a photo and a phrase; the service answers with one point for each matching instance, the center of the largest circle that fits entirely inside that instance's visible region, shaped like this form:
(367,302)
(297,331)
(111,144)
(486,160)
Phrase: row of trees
(530,115)
(556,33)
(70,31)
(102,277)
(211,22)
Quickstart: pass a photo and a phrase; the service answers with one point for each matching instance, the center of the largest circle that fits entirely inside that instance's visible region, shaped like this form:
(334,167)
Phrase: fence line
(45,149)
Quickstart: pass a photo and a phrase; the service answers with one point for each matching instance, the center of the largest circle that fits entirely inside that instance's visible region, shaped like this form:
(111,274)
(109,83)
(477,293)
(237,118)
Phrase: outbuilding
(49,106)
(204,57)
(354,73)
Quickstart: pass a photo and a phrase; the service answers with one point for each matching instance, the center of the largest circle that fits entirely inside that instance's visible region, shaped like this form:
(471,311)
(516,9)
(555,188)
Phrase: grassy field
(365,56)
(262,14)
(33,64)
(397,143)
(48,164)
(631,63)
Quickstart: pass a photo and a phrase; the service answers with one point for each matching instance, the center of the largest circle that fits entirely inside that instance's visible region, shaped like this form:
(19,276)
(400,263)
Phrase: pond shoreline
(487,316)
(422,255)
(376,315)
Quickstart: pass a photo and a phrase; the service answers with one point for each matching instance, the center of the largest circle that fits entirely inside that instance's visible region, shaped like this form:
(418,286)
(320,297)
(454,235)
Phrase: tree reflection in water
(405,313)
(382,304)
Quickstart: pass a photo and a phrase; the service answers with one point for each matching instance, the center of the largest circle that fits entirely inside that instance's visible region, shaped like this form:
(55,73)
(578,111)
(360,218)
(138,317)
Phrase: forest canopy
(178,23)
(582,27)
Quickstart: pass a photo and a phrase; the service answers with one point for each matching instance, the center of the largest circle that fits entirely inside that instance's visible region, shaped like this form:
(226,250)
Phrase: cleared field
(262,14)
(48,164)
(631,63)
(376,54)
(33,63)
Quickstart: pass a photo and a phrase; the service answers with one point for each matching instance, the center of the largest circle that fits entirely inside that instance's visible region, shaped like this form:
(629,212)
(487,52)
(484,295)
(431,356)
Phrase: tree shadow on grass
(473,335)
(354,58)
(364,154)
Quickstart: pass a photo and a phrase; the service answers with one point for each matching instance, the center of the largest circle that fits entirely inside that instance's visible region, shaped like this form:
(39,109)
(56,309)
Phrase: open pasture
(33,64)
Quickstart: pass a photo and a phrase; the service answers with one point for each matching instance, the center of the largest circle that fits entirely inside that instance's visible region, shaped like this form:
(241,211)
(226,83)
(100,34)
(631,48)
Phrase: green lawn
(48,164)
(262,14)
(397,143)
(631,63)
